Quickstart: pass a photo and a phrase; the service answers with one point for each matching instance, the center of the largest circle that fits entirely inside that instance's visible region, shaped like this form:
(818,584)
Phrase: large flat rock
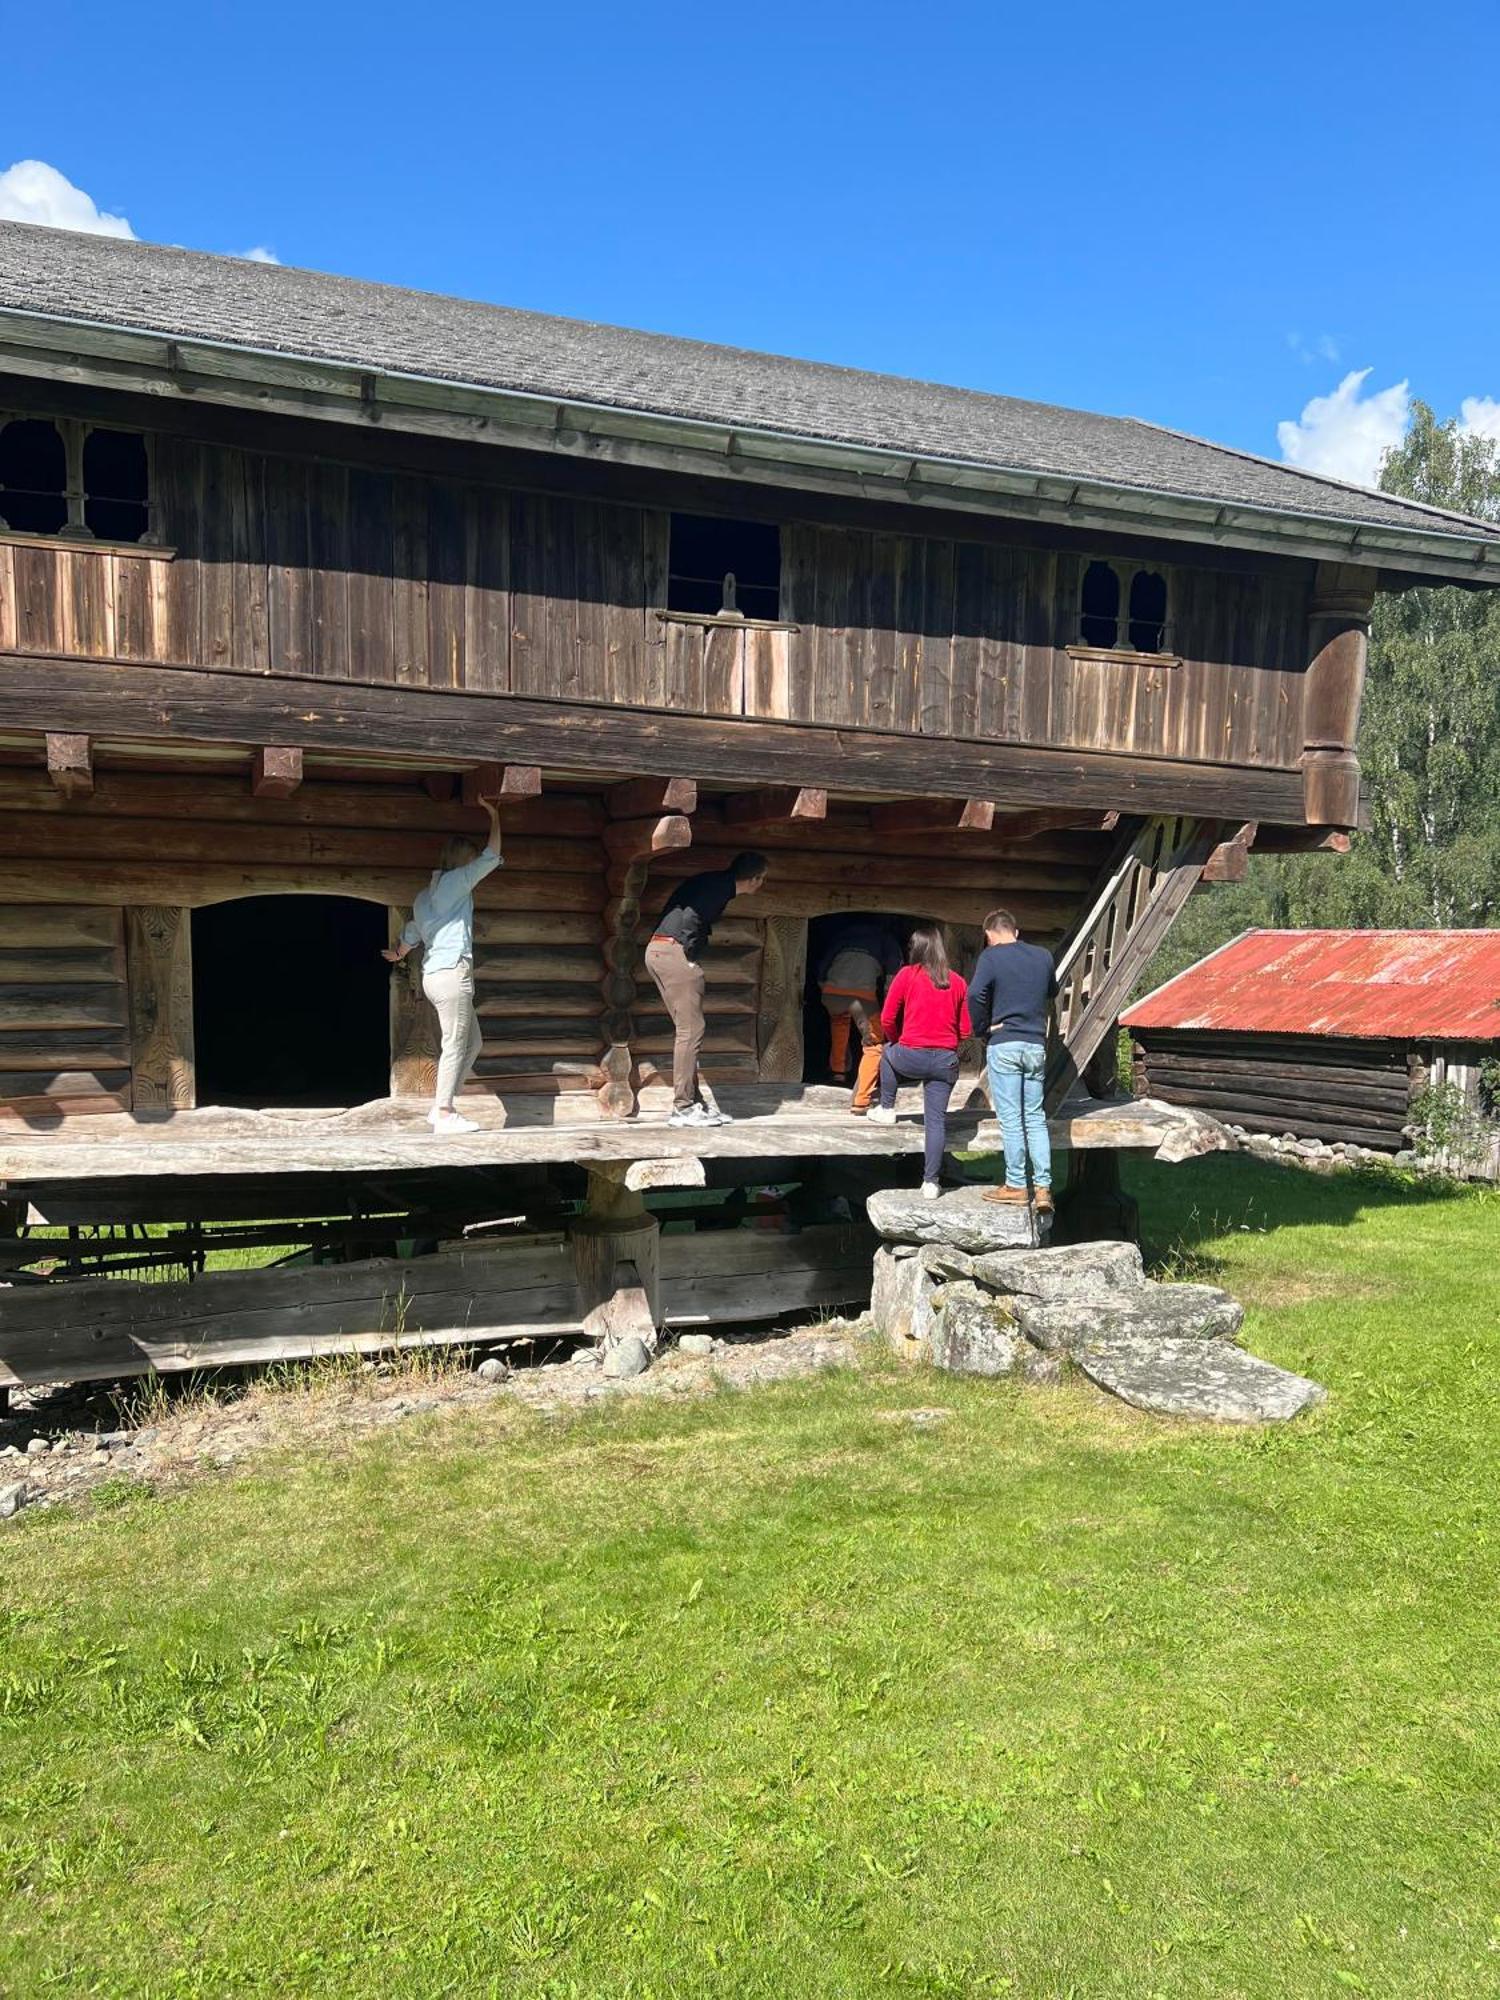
(901,1299)
(963,1220)
(1207,1379)
(1074,1271)
(1153,1312)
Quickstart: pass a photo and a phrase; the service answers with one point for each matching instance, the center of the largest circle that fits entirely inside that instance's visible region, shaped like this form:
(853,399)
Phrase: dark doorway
(822,934)
(291,1001)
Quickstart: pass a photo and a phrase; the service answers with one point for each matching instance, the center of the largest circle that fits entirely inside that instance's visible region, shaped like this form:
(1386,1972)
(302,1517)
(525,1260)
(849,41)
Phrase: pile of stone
(974,1287)
(1323,1155)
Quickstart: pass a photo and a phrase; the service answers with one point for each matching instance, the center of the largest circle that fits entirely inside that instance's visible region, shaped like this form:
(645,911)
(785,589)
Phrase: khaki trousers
(679,981)
(451,994)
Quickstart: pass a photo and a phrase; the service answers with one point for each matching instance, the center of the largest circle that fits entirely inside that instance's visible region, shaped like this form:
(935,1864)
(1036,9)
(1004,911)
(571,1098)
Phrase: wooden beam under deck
(93,697)
(276,772)
(70,764)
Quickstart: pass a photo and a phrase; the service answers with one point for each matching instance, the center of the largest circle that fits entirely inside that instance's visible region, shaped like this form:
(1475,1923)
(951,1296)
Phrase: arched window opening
(33,477)
(1148,611)
(114,486)
(1099,622)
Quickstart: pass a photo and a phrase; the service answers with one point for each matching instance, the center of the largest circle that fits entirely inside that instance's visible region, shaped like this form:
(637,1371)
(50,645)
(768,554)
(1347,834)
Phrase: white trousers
(452,996)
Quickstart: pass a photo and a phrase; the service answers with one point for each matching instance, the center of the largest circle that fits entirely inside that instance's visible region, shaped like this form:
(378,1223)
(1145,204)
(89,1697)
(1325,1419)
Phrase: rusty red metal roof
(1441,986)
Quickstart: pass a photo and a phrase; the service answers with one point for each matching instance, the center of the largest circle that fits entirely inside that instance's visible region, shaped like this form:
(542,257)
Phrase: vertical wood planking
(591,648)
(969,618)
(409,634)
(93,610)
(724,669)
(937,640)
(563,681)
(656,529)
(799,606)
(824,695)
(214,542)
(766,667)
(289,600)
(624,605)
(528,604)
(911,573)
(177,467)
(684,666)
(371,546)
(449,553)
(487,601)
(848,700)
(1000,657)
(248,509)
(329,621)
(880,705)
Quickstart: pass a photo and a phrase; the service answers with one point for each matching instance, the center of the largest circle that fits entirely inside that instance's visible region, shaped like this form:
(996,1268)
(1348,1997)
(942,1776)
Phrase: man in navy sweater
(1009,997)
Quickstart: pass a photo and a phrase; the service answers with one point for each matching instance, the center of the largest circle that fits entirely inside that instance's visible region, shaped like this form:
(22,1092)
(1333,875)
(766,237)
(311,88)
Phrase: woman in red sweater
(925,1017)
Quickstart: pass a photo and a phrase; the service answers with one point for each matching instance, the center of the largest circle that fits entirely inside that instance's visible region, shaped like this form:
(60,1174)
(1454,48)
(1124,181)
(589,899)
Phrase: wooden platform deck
(770,1123)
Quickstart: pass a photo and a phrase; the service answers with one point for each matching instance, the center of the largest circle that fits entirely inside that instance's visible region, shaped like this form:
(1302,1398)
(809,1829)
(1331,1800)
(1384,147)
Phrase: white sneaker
(930,1190)
(452,1121)
(716,1116)
(878,1115)
(695,1116)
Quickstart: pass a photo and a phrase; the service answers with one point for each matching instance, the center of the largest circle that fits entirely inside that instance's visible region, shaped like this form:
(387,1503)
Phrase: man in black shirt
(673,961)
(1009,997)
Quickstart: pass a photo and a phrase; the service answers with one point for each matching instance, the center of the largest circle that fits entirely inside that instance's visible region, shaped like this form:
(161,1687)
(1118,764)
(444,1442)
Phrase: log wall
(351,573)
(1314,1087)
(64,1027)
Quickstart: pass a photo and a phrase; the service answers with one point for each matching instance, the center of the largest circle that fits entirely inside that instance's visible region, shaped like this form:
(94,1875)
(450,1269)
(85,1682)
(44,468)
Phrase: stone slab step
(1207,1379)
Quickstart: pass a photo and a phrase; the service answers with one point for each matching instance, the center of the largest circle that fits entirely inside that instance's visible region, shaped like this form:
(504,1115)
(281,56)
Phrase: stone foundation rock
(963,1221)
(1209,1379)
(966,1285)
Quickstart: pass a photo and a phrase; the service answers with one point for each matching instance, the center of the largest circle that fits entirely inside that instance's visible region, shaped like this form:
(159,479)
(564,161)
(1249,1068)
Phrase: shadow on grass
(1183,1208)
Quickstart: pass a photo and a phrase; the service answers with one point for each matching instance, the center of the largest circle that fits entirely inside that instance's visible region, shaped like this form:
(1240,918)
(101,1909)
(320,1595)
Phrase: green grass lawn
(771,1695)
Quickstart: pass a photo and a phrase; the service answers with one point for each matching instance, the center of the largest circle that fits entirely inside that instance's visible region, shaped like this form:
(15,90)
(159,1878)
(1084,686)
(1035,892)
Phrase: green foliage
(781,1696)
(1429,747)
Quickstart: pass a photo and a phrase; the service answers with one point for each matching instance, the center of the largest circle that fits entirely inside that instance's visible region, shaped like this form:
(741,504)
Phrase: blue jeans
(937,1072)
(1016,1070)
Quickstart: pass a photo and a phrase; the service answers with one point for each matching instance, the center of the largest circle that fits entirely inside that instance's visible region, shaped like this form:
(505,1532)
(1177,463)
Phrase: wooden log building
(294,568)
(1332,1035)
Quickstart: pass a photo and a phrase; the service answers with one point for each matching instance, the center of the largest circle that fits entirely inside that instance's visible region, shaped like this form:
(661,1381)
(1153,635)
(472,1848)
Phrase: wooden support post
(774,806)
(616,1257)
(632,839)
(159,965)
(70,764)
(504,783)
(414,1029)
(1333,688)
(783,975)
(276,771)
(933,816)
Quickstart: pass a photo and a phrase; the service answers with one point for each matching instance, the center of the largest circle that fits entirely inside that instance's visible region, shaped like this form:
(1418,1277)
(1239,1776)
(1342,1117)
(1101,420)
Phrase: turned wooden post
(616,1261)
(1338,642)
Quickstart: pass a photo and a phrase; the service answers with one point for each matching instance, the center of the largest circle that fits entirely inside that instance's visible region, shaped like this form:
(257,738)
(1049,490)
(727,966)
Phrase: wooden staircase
(1155,868)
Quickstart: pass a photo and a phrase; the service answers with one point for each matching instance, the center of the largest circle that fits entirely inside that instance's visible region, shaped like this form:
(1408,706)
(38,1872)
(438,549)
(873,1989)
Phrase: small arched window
(1099,624)
(1122,609)
(1148,611)
(62,477)
(33,477)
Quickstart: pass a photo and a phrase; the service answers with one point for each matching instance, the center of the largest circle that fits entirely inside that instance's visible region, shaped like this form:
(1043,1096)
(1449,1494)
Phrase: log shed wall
(1317,1087)
(355,572)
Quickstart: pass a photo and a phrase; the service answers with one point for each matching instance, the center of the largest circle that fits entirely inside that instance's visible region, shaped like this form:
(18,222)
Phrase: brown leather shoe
(1008,1197)
(1044,1201)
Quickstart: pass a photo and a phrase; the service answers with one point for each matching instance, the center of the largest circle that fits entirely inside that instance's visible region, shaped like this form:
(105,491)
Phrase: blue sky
(1203,215)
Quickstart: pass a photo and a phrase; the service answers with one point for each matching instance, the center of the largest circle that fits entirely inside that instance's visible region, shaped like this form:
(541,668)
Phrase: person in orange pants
(858,955)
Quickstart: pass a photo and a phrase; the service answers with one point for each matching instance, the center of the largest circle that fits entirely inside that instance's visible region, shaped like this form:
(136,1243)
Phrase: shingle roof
(1375,985)
(186,295)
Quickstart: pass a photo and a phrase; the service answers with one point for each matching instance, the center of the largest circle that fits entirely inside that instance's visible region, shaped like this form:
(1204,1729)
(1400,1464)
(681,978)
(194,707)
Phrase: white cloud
(31,191)
(1479,417)
(260,255)
(1347,434)
(1324,348)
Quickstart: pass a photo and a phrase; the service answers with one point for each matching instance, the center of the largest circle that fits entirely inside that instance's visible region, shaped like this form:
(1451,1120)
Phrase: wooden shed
(293,568)
(1323,1034)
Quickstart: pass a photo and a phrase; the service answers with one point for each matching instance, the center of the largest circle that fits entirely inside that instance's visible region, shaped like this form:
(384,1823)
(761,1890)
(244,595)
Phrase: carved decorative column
(159,966)
(649,817)
(783,976)
(1338,642)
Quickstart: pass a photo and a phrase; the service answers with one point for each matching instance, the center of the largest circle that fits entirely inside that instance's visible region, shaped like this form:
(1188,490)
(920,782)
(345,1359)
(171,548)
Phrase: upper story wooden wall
(341,571)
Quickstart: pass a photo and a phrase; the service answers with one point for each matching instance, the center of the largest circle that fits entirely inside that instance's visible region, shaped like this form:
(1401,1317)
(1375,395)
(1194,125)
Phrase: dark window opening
(291,1002)
(1099,624)
(715,566)
(1148,611)
(33,477)
(114,485)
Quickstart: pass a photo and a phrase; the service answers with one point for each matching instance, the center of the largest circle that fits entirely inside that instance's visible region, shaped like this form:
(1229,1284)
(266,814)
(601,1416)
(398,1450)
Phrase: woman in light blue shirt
(442,923)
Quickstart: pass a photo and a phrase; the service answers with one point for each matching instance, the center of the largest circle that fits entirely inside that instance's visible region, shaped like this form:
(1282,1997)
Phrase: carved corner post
(1338,645)
(783,977)
(648,817)
(159,968)
(616,1246)
(414,1029)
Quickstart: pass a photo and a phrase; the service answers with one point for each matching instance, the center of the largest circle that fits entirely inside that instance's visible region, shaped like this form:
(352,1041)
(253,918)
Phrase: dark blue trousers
(937,1072)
